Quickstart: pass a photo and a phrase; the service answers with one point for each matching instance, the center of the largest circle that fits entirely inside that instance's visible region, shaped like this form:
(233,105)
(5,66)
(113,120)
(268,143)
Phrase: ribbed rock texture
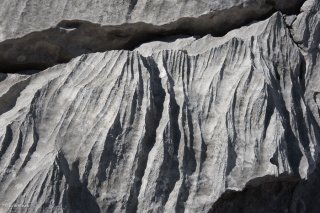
(185,124)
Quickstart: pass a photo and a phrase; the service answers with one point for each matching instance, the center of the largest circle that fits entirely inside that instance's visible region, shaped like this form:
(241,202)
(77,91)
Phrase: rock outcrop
(167,123)
(19,18)
(72,38)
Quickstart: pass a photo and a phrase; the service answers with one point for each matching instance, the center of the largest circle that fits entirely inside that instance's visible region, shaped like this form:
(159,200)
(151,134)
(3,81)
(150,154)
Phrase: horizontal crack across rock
(71,38)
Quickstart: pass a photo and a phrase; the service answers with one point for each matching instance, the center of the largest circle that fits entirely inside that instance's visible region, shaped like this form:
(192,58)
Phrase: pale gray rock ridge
(170,127)
(289,195)
(168,131)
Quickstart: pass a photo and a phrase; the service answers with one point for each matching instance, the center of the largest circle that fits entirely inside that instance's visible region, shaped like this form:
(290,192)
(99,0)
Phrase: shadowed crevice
(152,121)
(9,99)
(78,197)
(72,38)
(267,197)
(284,194)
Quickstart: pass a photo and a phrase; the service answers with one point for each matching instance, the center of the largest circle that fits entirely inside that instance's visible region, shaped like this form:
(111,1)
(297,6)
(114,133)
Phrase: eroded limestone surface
(186,123)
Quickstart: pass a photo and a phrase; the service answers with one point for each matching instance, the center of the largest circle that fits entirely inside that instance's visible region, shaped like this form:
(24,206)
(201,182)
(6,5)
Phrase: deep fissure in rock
(72,38)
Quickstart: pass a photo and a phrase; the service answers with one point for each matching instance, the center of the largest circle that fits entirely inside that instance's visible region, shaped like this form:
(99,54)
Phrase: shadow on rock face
(281,195)
(267,197)
(78,198)
(81,200)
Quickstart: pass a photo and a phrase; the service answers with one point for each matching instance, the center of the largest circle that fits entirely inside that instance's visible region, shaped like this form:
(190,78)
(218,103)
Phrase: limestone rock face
(177,124)
(25,16)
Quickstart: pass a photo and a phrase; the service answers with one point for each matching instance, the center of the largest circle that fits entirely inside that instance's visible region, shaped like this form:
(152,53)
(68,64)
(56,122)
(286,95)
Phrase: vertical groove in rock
(152,120)
(186,124)
(169,171)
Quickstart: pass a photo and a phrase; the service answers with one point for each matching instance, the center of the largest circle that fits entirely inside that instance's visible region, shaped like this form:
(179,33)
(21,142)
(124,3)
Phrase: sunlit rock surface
(185,124)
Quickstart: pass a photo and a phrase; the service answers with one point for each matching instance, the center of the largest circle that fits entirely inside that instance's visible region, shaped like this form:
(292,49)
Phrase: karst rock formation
(155,106)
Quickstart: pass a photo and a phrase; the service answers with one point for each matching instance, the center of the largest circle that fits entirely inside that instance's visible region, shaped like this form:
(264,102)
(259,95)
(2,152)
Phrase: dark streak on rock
(72,38)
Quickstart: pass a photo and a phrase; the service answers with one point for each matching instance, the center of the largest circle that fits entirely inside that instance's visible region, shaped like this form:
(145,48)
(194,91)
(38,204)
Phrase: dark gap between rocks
(71,38)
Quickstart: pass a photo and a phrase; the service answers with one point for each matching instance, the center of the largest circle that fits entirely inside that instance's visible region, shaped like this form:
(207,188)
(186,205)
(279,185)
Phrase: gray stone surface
(185,124)
(25,16)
